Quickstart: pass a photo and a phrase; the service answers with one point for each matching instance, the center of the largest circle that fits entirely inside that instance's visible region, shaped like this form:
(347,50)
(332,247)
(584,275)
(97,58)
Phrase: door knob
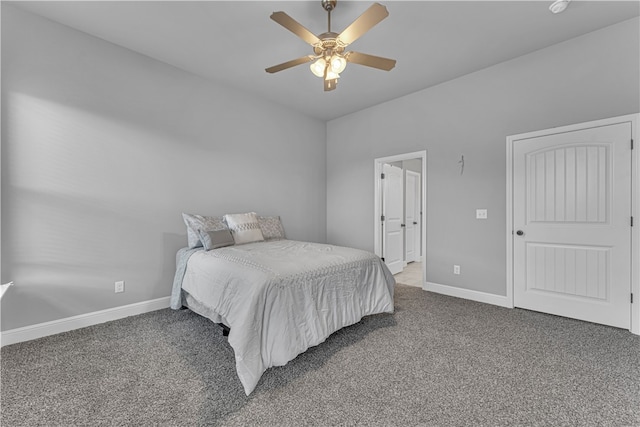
(520,233)
(414,223)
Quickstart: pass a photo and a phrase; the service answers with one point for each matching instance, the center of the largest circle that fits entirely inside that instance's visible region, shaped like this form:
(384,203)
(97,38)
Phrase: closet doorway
(400,215)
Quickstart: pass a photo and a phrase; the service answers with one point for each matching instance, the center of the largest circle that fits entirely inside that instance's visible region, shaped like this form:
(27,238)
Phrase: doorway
(570,215)
(400,215)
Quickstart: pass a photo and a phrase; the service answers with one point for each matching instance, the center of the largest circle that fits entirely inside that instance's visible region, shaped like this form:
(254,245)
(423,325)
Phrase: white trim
(634,119)
(635,231)
(509,231)
(377,203)
(469,294)
(40,330)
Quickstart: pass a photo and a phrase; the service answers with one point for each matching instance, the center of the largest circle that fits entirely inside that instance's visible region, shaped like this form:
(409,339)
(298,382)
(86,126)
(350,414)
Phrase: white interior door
(412,216)
(392,211)
(572,231)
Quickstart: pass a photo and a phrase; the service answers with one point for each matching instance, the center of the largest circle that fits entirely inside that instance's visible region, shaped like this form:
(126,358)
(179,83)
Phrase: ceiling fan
(329,58)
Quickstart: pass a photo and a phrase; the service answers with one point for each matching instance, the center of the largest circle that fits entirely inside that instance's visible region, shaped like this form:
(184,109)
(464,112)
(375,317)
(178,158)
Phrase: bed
(280,297)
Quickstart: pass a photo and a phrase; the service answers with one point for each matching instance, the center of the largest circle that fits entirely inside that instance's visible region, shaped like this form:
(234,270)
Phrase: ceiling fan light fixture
(318,67)
(559,6)
(338,63)
(331,75)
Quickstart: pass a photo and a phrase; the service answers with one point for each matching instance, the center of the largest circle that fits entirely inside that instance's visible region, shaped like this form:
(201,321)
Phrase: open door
(412,216)
(392,217)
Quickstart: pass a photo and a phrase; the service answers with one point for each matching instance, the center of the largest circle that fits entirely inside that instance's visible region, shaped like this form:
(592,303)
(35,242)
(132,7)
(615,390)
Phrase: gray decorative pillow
(216,239)
(271,227)
(204,223)
(244,227)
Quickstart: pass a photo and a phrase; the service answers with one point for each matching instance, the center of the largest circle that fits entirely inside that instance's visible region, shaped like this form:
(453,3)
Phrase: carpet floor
(437,361)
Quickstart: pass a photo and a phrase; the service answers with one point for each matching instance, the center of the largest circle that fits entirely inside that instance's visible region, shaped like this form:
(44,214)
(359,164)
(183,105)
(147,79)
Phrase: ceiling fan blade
(330,84)
(370,60)
(363,23)
(295,27)
(289,64)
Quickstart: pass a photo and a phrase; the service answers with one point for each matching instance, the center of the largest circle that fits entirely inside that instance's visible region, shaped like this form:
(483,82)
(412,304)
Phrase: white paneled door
(393,213)
(572,224)
(412,216)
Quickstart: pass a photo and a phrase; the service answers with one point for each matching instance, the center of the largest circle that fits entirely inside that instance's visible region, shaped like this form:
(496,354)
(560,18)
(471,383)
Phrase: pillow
(271,227)
(244,227)
(215,239)
(199,222)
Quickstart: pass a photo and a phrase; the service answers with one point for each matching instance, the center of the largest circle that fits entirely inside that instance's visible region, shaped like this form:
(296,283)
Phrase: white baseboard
(469,294)
(40,330)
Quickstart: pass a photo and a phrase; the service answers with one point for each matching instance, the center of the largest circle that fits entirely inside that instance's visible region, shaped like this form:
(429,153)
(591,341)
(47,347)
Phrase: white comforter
(281,297)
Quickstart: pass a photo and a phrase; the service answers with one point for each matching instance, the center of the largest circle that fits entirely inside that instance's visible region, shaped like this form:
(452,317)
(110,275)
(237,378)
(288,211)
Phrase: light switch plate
(481,214)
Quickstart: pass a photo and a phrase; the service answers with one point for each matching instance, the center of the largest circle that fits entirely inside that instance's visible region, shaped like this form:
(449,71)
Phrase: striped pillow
(216,239)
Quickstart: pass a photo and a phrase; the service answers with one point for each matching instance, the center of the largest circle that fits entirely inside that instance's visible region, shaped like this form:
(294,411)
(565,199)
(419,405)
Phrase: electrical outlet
(481,214)
(119,287)
(456,269)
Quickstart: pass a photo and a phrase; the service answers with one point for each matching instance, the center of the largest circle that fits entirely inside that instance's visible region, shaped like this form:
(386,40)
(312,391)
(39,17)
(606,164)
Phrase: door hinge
(632,144)
(382,218)
(381,176)
(632,221)
(631,297)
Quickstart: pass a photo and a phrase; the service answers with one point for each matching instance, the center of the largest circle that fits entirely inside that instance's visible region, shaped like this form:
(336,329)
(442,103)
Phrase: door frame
(377,203)
(634,119)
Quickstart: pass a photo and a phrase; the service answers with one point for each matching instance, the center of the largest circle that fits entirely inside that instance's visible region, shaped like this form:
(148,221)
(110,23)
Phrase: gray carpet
(438,361)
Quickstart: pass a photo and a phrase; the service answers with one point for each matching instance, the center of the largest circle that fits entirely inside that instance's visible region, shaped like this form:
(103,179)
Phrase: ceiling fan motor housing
(329,5)
(328,43)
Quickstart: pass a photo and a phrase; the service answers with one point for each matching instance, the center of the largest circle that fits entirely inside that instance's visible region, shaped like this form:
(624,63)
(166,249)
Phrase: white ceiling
(232,42)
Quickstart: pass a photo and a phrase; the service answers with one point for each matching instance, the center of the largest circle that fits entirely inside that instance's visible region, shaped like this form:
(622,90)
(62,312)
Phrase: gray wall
(103,148)
(412,165)
(590,77)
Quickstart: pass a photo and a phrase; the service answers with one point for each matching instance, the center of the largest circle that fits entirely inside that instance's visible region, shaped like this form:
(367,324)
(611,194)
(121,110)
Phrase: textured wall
(590,77)
(103,148)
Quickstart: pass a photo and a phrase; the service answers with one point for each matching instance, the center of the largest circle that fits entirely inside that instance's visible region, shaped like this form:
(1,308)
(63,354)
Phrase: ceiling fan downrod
(329,5)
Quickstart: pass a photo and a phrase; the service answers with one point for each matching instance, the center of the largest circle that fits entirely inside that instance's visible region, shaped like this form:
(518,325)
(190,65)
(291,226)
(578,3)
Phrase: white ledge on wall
(4,288)
(469,294)
(40,330)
